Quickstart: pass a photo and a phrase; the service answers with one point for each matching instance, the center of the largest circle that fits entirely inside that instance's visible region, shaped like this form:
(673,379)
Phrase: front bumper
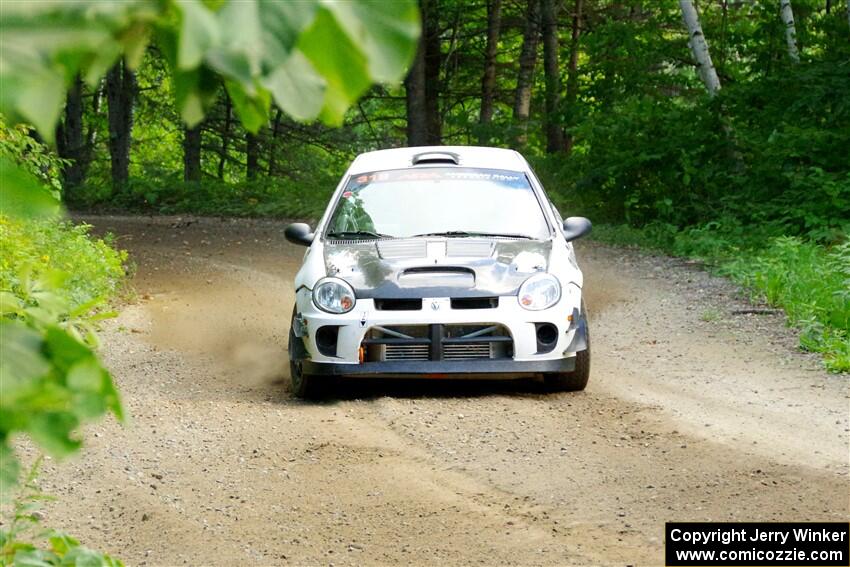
(521,325)
(488,369)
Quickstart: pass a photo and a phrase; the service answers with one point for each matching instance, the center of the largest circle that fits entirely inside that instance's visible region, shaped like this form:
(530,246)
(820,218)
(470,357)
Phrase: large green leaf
(52,430)
(344,67)
(296,86)
(86,375)
(22,194)
(385,32)
(253,111)
(9,467)
(199,32)
(282,23)
(23,358)
(64,350)
(194,92)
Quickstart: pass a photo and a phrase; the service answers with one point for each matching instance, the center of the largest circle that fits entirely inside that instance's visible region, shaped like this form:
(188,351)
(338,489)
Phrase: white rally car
(439,262)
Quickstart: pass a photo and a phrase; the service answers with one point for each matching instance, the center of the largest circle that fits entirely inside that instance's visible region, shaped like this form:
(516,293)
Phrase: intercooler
(437,342)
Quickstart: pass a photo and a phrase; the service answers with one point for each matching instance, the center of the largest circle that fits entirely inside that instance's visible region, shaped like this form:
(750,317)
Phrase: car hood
(436,267)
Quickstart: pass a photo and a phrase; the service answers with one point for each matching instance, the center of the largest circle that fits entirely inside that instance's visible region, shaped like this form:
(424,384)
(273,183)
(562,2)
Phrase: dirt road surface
(692,413)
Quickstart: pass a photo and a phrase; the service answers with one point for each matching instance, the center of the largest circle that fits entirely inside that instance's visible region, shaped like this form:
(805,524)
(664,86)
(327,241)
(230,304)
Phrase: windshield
(448,201)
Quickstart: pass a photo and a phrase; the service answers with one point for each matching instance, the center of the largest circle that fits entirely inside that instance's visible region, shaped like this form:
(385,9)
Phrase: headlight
(333,295)
(540,291)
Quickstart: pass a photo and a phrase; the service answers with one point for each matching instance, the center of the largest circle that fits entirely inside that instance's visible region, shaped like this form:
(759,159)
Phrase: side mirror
(576,227)
(299,233)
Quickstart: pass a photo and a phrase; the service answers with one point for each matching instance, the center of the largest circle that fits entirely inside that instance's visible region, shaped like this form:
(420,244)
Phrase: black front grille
(438,342)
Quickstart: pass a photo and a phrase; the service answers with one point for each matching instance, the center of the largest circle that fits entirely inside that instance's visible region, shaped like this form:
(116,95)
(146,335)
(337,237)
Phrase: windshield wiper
(347,234)
(464,233)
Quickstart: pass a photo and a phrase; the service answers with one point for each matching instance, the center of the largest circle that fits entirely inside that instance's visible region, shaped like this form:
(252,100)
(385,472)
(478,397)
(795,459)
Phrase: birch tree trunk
(552,120)
(488,81)
(699,47)
(790,30)
(527,60)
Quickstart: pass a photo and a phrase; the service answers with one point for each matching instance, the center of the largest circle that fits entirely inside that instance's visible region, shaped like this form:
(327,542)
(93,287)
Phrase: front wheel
(576,380)
(305,386)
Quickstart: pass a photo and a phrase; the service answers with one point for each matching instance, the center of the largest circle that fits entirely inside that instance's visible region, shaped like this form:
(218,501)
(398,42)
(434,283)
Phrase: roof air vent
(436,158)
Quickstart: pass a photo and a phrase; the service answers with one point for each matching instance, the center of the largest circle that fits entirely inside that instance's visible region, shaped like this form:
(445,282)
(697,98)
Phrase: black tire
(305,386)
(576,380)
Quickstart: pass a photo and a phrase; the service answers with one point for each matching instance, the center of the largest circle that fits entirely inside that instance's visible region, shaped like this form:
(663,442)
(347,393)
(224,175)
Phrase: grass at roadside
(811,282)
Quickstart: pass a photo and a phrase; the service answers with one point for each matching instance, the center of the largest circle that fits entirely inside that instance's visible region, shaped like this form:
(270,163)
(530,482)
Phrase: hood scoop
(444,276)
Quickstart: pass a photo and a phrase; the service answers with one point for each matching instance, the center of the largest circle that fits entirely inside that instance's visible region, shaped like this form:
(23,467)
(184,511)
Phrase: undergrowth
(809,281)
(88,271)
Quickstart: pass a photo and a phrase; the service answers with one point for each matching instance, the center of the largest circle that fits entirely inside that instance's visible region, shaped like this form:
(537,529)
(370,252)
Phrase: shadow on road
(364,389)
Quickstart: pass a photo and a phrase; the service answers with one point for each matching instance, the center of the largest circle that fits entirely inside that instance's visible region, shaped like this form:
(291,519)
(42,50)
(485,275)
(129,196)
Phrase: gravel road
(692,413)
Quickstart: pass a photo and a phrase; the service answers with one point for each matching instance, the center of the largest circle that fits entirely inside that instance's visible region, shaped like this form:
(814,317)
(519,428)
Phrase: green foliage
(21,524)
(23,195)
(87,271)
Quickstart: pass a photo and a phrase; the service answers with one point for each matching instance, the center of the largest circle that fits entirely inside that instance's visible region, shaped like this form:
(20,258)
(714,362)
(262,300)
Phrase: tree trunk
(252,150)
(120,96)
(414,88)
(572,71)
(527,60)
(70,139)
(554,134)
(225,135)
(273,144)
(848,12)
(192,154)
(699,47)
(790,30)
(432,60)
(488,81)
